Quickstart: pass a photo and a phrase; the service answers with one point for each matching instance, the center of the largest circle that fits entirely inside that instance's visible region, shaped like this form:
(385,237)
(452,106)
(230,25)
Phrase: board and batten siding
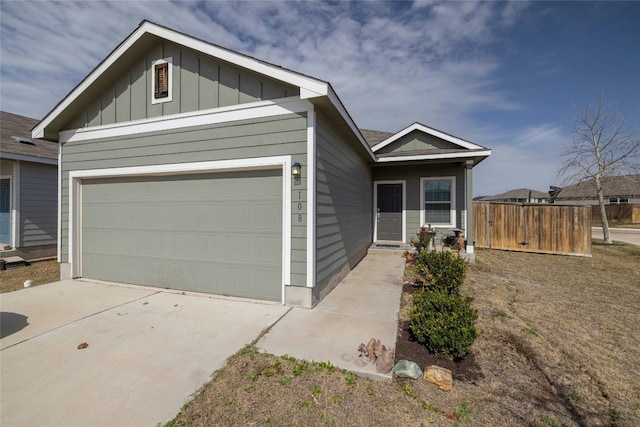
(417,141)
(272,136)
(38,204)
(199,82)
(412,174)
(343,207)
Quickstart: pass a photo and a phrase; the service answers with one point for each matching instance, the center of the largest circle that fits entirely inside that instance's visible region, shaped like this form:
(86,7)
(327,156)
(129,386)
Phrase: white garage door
(219,233)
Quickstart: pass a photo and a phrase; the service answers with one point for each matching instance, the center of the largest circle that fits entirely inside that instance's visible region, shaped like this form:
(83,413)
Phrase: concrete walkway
(364,305)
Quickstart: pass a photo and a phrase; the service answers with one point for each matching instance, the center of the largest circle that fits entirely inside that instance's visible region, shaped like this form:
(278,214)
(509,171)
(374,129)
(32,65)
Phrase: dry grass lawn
(559,346)
(40,273)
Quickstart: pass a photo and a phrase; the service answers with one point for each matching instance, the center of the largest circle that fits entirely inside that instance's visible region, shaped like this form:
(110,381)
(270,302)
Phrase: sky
(509,76)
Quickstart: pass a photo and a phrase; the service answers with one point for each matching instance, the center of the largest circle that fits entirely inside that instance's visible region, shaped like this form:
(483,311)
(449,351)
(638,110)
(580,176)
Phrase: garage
(218,233)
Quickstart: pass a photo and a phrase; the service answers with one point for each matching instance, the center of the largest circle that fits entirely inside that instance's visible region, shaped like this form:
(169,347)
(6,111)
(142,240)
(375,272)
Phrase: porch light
(296,169)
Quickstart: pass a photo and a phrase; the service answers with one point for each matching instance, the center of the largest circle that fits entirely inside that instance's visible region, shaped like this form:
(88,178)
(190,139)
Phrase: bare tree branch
(603,145)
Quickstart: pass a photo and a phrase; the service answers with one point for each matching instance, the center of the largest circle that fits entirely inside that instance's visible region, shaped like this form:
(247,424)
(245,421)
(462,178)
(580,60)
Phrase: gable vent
(22,140)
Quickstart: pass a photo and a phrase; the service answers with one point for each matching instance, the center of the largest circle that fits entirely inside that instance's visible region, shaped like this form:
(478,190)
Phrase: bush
(421,242)
(442,269)
(443,322)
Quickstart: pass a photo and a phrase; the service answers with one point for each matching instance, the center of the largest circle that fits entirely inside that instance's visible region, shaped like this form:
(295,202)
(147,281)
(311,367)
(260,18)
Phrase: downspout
(468,189)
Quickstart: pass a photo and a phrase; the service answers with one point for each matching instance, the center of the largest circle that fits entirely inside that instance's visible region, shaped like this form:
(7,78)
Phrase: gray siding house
(188,166)
(28,190)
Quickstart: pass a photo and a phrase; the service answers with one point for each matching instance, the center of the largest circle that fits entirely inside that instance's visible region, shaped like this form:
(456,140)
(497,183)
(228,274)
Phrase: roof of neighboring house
(520,193)
(16,142)
(614,186)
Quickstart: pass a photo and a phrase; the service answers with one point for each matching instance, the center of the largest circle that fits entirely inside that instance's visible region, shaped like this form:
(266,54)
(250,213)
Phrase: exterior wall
(412,175)
(38,204)
(199,82)
(34,212)
(271,136)
(415,141)
(6,167)
(343,207)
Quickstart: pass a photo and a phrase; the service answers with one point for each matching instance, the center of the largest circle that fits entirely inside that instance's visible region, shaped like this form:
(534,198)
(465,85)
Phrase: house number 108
(299,206)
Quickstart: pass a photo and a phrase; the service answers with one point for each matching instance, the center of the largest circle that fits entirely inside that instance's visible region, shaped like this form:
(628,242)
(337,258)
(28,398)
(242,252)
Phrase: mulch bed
(464,369)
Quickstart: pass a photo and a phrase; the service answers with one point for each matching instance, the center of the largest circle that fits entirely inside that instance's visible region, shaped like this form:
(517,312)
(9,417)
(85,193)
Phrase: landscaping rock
(384,359)
(441,377)
(407,369)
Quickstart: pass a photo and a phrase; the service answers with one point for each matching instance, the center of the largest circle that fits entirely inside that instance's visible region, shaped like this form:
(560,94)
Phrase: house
(520,195)
(28,190)
(185,165)
(618,190)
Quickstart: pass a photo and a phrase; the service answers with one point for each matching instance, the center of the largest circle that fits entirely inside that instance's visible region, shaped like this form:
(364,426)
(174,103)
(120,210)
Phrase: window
(161,89)
(438,201)
(161,81)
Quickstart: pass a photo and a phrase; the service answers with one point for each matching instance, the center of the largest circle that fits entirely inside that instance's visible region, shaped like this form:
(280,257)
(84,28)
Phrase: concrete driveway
(148,351)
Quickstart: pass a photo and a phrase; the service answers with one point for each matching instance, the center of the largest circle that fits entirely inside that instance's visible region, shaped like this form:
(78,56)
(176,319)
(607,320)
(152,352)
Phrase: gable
(198,82)
(417,141)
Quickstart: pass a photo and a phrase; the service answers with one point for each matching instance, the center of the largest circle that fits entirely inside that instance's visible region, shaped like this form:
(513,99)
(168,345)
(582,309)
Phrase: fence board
(556,229)
(624,214)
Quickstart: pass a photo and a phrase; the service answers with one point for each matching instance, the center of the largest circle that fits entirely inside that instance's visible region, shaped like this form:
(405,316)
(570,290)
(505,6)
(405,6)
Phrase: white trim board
(429,131)
(247,111)
(484,153)
(404,207)
(311,199)
(59,203)
(276,162)
(16,207)
(12,192)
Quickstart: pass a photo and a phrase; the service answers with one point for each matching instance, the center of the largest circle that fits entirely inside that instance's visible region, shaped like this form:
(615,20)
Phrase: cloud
(391,63)
(530,160)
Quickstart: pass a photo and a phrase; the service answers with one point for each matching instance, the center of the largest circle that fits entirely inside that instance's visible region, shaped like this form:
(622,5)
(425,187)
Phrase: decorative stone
(407,369)
(441,377)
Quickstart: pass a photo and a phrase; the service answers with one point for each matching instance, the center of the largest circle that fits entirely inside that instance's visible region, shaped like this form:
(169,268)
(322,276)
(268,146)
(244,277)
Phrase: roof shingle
(13,129)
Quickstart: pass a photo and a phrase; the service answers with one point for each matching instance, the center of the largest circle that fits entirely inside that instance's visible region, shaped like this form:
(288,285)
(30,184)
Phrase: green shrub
(421,242)
(443,322)
(442,269)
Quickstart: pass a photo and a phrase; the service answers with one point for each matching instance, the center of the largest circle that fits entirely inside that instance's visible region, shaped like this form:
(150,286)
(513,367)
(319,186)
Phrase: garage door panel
(216,233)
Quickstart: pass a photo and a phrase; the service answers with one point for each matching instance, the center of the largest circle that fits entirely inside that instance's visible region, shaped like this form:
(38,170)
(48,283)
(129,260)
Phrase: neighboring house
(618,190)
(28,190)
(189,166)
(521,195)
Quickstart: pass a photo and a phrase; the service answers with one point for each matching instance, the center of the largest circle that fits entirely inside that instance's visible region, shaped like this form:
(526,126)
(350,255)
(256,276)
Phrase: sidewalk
(364,305)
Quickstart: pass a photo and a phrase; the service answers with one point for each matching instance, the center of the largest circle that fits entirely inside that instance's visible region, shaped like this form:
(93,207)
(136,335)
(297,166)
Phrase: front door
(5,210)
(389,211)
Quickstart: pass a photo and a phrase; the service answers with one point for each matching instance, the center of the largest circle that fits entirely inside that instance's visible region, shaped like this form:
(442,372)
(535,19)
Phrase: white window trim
(452,224)
(12,222)
(275,162)
(169,97)
(15,206)
(404,207)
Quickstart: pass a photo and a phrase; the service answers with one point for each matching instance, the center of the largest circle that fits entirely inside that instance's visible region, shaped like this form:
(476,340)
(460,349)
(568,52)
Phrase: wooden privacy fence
(552,229)
(624,214)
